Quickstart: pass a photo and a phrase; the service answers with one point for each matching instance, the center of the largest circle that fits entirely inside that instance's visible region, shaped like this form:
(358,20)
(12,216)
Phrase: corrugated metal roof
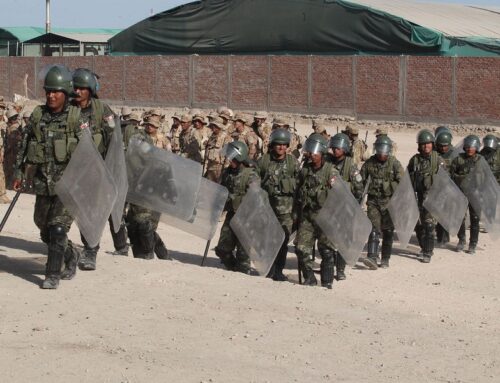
(81,34)
(450,19)
(86,37)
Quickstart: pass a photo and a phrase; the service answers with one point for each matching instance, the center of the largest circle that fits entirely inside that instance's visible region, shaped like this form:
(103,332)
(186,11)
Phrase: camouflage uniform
(384,178)
(279,180)
(12,141)
(190,144)
(460,167)
(313,186)
(3,192)
(250,139)
(214,159)
(492,157)
(262,130)
(442,236)
(383,131)
(142,224)
(237,181)
(174,135)
(359,148)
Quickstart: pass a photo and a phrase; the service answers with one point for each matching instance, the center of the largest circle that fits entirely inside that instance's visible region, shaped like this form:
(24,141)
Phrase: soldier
(359,150)
(52,123)
(142,222)
(316,177)
(175,132)
(100,120)
(189,144)
(382,172)
(13,138)
(445,150)
(26,118)
(349,172)
(384,131)
(214,159)
(491,154)
(244,134)
(422,168)
(460,167)
(202,132)
(152,127)
(3,192)
(262,129)
(237,179)
(319,128)
(278,172)
(130,127)
(125,113)
(226,116)
(296,141)
(212,116)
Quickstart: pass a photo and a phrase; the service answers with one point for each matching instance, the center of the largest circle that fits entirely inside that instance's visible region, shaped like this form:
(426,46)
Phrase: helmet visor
(231,152)
(313,147)
(382,148)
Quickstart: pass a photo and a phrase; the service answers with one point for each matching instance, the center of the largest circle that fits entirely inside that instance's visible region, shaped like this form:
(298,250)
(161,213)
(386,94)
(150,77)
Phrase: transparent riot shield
(457,149)
(481,188)
(115,162)
(446,202)
(403,209)
(344,222)
(87,189)
(162,181)
(209,206)
(258,229)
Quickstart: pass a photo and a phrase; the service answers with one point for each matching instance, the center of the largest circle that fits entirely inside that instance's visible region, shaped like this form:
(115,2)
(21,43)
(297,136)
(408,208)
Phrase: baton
(206,252)
(9,210)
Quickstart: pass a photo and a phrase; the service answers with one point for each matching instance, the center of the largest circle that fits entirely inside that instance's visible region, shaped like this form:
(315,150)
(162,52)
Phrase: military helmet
(85,78)
(316,143)
(472,141)
(382,145)
(341,141)
(58,78)
(441,129)
(236,150)
(12,113)
(444,138)
(425,136)
(125,111)
(490,141)
(383,130)
(280,136)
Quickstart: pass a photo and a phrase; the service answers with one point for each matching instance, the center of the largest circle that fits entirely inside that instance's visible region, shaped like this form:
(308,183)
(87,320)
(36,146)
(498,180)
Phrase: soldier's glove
(17,184)
(333,180)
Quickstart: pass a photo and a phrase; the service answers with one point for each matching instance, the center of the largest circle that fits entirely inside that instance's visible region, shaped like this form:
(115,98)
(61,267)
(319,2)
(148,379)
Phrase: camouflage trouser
(425,230)
(474,227)
(9,161)
(286,222)
(228,242)
(213,173)
(307,234)
(141,226)
(50,211)
(379,215)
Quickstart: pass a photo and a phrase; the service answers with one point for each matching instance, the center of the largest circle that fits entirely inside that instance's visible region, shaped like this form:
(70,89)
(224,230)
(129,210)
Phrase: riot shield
(457,149)
(87,189)
(344,222)
(258,229)
(209,206)
(446,202)
(115,162)
(162,181)
(403,209)
(481,188)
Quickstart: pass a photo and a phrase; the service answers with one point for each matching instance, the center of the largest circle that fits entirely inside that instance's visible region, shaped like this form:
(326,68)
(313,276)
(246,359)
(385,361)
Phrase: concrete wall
(441,89)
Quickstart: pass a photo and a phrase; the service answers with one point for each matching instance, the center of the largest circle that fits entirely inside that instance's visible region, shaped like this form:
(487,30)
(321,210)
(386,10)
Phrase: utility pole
(47,16)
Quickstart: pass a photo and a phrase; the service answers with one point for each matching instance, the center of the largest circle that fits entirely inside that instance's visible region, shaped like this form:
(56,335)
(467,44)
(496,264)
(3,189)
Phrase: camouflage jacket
(350,174)
(160,141)
(190,145)
(359,151)
(447,157)
(175,132)
(461,166)
(13,137)
(128,130)
(202,135)
(296,143)
(492,157)
(422,170)
(237,181)
(313,186)
(384,178)
(47,144)
(213,156)
(279,180)
(263,131)
(250,139)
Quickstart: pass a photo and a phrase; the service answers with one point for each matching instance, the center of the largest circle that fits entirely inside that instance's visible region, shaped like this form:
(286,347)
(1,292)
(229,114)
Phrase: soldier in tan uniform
(358,147)
(202,131)
(384,131)
(151,127)
(262,129)
(190,146)
(13,137)
(175,132)
(214,160)
(226,116)
(125,113)
(319,128)
(242,132)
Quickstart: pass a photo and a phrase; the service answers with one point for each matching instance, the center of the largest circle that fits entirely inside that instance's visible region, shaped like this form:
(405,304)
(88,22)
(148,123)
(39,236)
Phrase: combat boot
(327,268)
(52,270)
(88,260)
(373,245)
(227,259)
(160,249)
(71,257)
(123,251)
(460,245)
(309,278)
(387,241)
(428,243)
(279,276)
(340,265)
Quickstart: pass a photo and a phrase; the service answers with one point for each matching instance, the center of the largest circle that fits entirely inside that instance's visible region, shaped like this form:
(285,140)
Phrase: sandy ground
(160,321)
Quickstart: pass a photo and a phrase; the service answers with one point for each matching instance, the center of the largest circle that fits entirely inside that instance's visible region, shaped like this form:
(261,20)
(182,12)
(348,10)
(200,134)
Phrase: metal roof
(455,20)
(94,35)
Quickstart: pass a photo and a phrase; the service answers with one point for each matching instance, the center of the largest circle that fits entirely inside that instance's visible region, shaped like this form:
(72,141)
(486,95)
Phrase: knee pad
(429,228)
(57,233)
(374,235)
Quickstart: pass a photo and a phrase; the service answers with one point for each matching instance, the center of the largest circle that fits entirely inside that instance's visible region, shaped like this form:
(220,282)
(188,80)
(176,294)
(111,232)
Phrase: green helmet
(316,143)
(425,136)
(490,141)
(280,136)
(444,138)
(341,141)
(472,141)
(58,78)
(441,129)
(236,150)
(382,145)
(84,78)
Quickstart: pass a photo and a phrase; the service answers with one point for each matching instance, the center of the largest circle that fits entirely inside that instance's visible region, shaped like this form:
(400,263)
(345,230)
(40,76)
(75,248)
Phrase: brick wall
(441,89)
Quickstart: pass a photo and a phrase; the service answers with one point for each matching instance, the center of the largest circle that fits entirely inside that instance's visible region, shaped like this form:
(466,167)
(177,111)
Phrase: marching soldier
(460,167)
(349,172)
(316,177)
(262,129)
(237,179)
(243,133)
(175,132)
(384,131)
(214,159)
(278,172)
(445,150)
(202,132)
(422,168)
(382,172)
(491,154)
(359,150)
(189,143)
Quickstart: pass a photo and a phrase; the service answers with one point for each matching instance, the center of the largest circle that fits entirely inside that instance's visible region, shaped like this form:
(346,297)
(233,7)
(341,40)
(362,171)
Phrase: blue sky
(107,13)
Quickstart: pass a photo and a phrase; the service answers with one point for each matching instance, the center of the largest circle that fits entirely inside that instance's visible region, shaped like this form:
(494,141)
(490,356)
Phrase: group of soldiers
(236,151)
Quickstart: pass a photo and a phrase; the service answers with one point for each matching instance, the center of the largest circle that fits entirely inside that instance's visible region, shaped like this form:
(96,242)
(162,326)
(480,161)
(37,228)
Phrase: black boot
(340,265)
(57,247)
(309,277)
(88,260)
(428,242)
(474,233)
(387,241)
(71,257)
(227,259)
(327,268)
(160,249)
(119,239)
(373,245)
